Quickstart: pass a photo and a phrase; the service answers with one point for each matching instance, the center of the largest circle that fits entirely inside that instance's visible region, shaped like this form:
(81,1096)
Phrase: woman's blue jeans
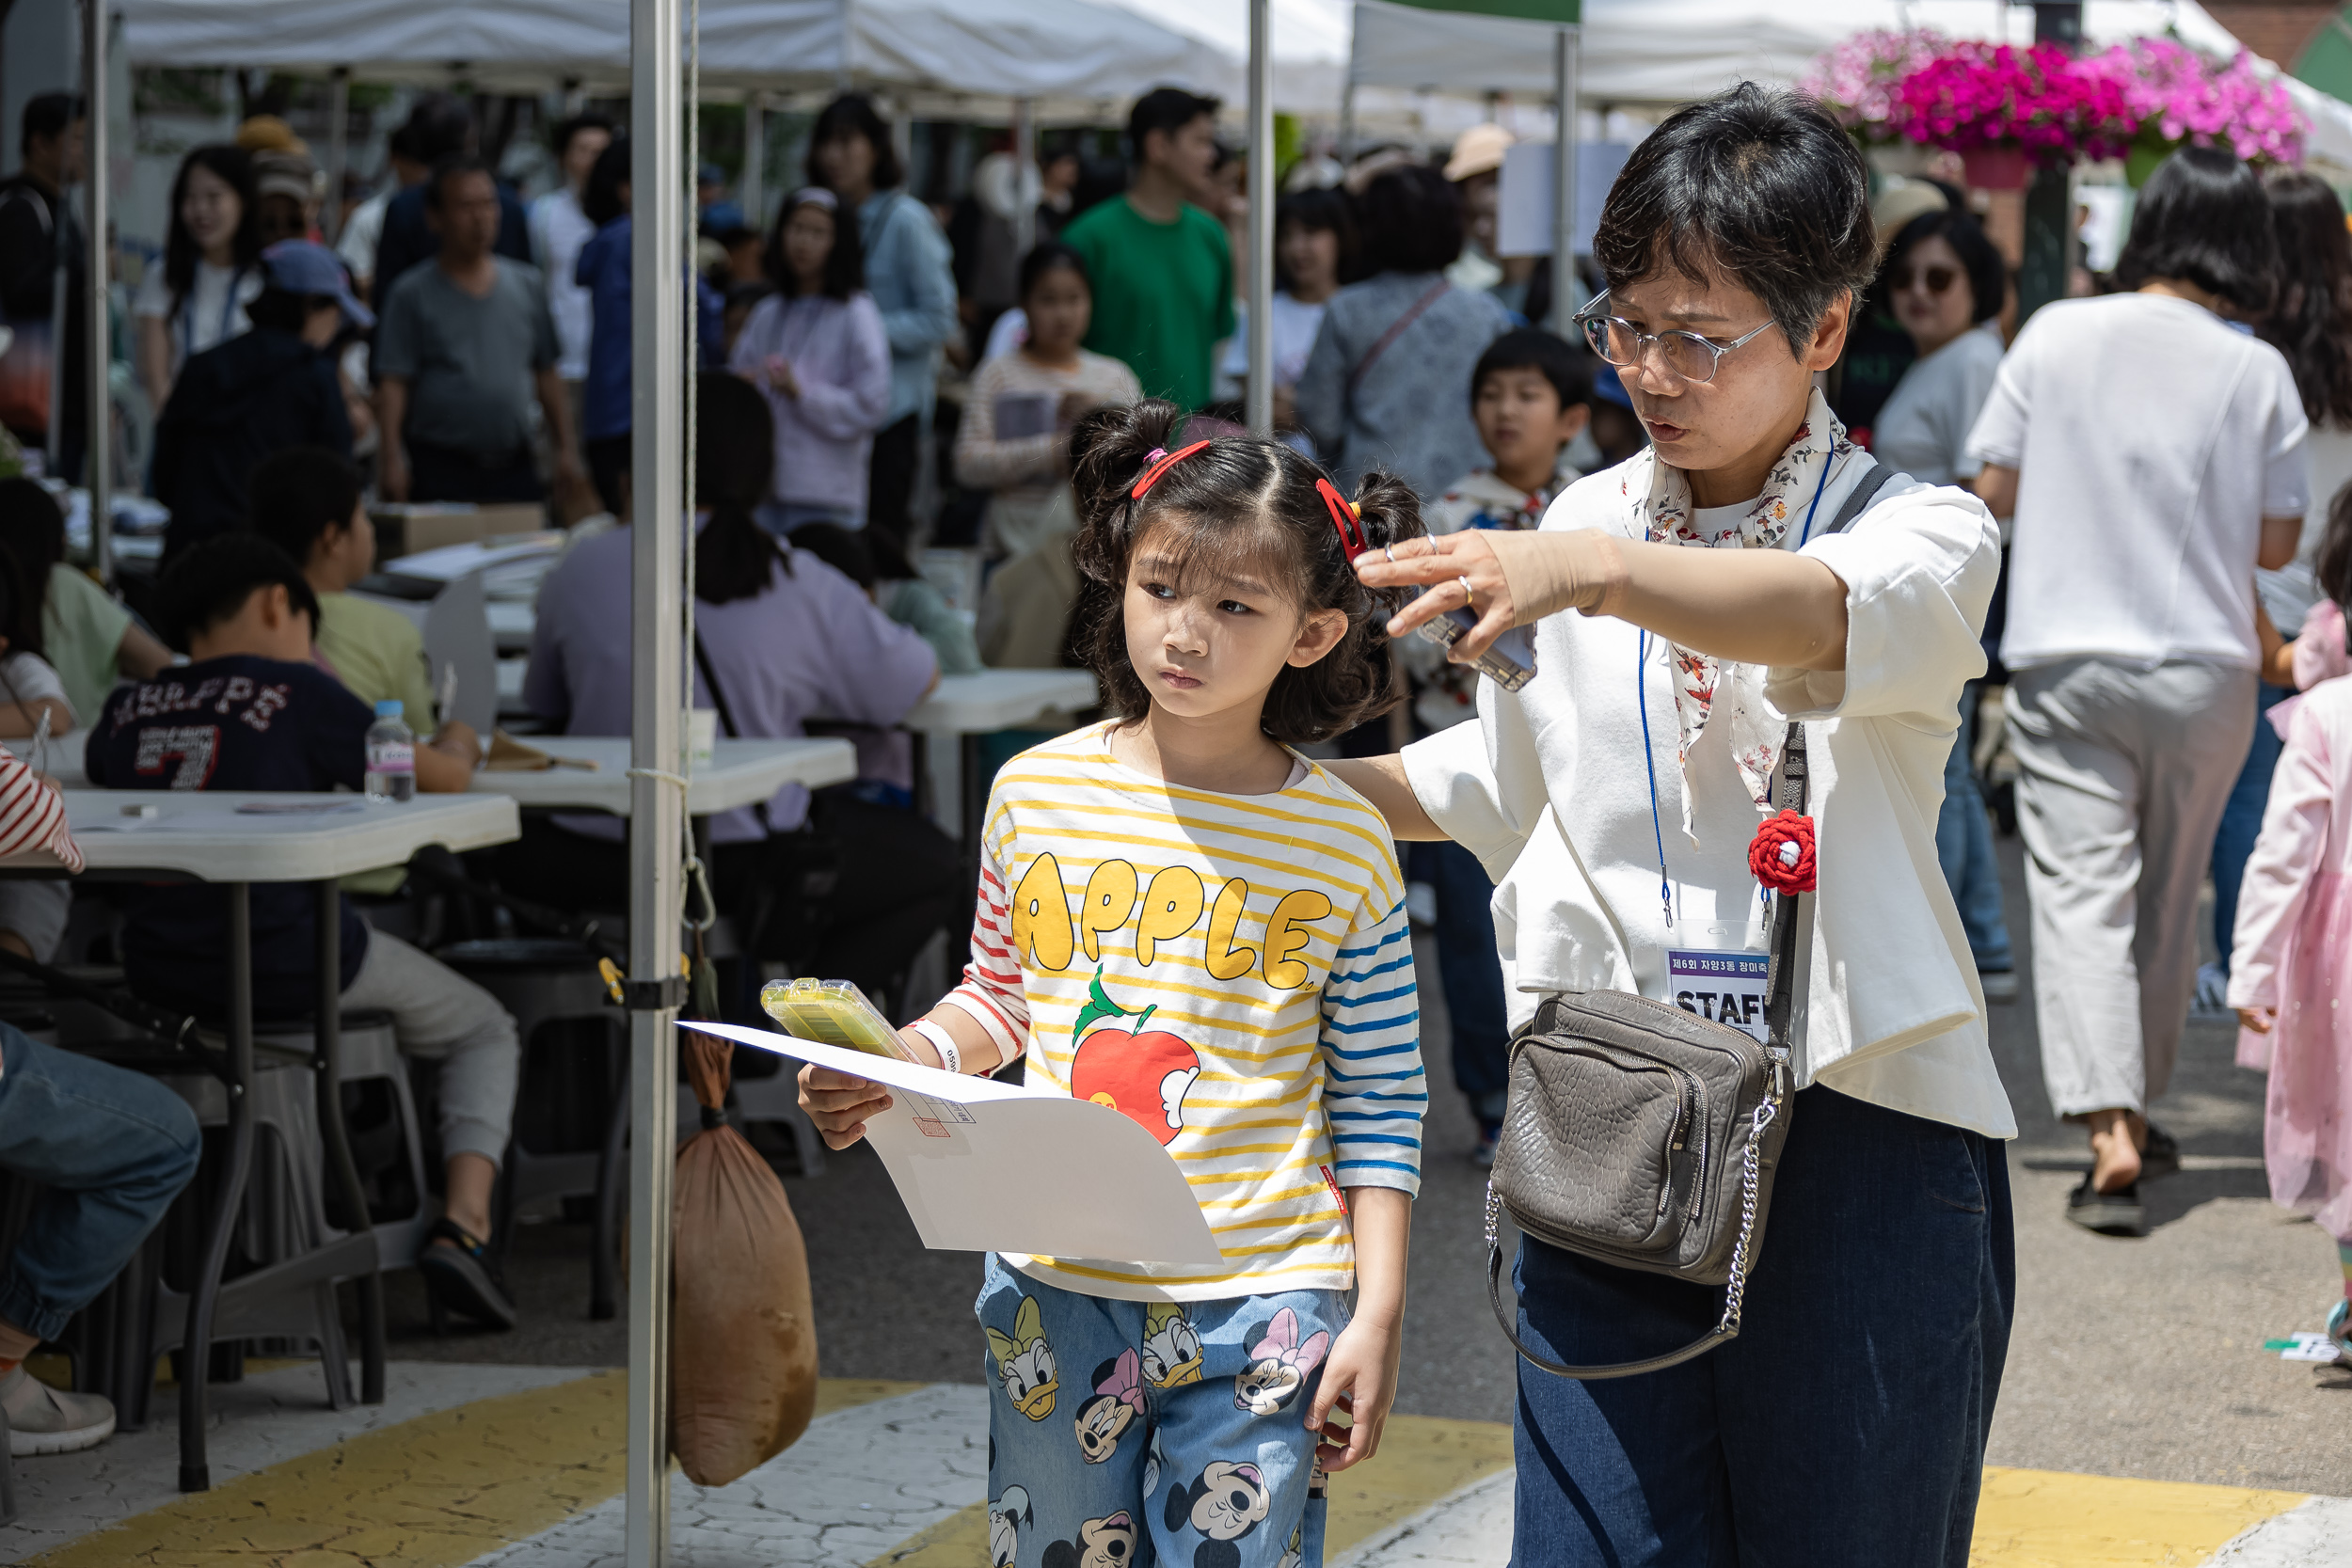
(111,1149)
(1844,1428)
(1963,842)
(2242,818)
(1478,1018)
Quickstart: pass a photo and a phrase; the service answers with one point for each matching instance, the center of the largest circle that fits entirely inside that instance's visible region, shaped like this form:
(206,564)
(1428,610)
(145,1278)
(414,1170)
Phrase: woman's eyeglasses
(1938,280)
(1685,355)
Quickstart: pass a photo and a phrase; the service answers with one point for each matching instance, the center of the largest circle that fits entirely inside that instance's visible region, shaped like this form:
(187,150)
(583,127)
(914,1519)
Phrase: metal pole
(1261,390)
(2048,256)
(1565,51)
(1348,123)
(657,346)
(755,158)
(1024,166)
(98,442)
(338,151)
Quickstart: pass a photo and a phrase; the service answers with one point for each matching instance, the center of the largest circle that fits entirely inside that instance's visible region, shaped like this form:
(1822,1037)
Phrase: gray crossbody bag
(1645,1136)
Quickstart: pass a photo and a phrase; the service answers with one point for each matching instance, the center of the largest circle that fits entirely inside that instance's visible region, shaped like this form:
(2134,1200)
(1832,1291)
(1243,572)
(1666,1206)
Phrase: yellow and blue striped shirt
(1235,971)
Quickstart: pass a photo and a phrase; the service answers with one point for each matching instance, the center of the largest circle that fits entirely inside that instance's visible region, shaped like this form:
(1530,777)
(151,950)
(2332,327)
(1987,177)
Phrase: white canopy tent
(1660,53)
(1039,50)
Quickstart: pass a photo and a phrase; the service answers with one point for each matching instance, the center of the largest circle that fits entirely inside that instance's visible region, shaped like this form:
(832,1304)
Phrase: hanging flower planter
(2179,98)
(1996,169)
(2031,106)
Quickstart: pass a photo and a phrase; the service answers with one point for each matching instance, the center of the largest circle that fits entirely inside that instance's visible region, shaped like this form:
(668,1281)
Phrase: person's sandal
(2162,1157)
(2118,1213)
(461,1278)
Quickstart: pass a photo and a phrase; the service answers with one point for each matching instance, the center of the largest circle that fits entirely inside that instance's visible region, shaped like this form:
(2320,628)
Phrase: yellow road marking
(435,1492)
(2049,1519)
(1421,1460)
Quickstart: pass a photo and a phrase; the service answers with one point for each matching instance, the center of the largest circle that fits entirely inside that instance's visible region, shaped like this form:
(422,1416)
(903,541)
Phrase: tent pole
(1260,402)
(1347,123)
(755,158)
(1024,161)
(656,347)
(1563,86)
(338,151)
(97,443)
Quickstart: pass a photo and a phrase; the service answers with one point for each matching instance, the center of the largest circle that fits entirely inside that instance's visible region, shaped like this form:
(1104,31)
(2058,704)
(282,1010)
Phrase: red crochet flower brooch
(1781,854)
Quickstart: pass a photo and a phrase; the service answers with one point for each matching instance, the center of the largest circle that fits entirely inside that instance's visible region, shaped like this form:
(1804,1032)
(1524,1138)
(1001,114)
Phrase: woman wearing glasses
(1945,283)
(1683,607)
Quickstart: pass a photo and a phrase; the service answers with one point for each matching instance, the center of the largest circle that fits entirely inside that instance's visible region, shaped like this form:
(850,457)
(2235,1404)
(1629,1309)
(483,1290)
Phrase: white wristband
(949,1058)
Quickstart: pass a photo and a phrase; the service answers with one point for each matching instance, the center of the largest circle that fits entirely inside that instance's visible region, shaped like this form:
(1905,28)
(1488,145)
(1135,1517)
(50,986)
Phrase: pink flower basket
(1996,169)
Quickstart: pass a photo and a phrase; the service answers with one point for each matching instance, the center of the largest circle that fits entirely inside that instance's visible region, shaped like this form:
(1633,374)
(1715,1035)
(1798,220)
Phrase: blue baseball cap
(303,267)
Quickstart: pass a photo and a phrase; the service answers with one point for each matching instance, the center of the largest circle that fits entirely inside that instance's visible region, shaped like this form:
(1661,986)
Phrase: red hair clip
(1346,516)
(1161,462)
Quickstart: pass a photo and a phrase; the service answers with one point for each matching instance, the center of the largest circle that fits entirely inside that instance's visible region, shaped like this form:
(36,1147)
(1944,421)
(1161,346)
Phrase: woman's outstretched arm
(1381,781)
(1755,607)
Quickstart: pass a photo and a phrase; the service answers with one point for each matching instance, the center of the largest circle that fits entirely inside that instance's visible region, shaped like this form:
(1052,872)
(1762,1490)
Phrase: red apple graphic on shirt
(1143,1074)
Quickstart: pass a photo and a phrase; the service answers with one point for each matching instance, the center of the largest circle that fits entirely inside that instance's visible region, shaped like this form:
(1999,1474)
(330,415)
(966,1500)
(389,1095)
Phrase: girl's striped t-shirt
(1235,971)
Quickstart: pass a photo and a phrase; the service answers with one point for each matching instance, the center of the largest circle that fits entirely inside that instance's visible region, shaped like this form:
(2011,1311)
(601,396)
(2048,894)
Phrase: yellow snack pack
(833,1012)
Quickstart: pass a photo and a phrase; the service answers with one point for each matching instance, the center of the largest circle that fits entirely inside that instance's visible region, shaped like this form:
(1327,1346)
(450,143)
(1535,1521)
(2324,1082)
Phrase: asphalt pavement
(2136,1357)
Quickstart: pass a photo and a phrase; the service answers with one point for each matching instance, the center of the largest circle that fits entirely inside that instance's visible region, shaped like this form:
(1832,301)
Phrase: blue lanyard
(227,316)
(1641,701)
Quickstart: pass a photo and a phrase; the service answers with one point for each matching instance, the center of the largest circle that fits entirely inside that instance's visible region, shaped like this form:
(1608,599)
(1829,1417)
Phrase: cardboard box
(406,530)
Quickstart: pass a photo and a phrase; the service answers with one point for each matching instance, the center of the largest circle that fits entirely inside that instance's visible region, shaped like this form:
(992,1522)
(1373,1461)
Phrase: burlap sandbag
(742,1335)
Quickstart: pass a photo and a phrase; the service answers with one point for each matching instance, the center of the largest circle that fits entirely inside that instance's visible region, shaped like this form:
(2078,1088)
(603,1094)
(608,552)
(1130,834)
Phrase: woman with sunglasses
(1683,607)
(1943,283)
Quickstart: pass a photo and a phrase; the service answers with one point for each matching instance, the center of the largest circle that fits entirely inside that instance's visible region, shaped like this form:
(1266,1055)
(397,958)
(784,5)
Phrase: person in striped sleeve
(1184,919)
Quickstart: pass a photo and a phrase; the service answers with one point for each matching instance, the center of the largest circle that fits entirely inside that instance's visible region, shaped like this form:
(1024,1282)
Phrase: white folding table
(961,709)
(740,773)
(235,839)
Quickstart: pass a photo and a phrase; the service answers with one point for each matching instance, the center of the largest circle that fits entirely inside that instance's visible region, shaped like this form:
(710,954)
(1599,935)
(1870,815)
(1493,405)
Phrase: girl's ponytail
(1108,449)
(1389,513)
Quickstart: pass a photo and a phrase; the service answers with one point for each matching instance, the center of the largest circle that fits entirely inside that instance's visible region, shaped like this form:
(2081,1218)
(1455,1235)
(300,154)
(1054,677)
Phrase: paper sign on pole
(1523,199)
(984,1166)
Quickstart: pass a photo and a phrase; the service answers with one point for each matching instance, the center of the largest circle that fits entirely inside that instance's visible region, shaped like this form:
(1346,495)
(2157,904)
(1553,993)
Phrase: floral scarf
(1660,495)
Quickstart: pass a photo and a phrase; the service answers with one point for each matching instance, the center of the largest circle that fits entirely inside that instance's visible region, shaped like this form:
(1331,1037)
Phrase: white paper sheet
(984,1166)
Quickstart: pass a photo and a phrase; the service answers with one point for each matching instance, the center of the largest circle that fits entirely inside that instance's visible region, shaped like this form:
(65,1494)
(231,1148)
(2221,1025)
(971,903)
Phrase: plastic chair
(568,1094)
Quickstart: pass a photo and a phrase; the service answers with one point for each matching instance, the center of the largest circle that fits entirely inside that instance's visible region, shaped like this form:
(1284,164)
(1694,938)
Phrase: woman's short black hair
(234,166)
(559,141)
(600,197)
(298,494)
(1242,500)
(1551,356)
(1411,220)
(845,264)
(209,583)
(1044,257)
(734,461)
(853,113)
(1988,278)
(2204,219)
(32,536)
(1756,186)
(1323,210)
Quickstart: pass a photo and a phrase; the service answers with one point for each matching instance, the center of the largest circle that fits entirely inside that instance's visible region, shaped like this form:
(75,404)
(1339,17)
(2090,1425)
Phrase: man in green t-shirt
(1161,271)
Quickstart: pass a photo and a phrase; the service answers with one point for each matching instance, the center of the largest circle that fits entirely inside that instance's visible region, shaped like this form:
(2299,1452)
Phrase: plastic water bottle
(391,755)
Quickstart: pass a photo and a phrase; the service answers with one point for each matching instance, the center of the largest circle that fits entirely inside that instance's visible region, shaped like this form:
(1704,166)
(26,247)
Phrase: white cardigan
(1549,791)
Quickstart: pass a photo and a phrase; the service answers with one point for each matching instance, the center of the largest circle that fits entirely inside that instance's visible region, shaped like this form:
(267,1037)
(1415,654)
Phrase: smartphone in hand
(1510,663)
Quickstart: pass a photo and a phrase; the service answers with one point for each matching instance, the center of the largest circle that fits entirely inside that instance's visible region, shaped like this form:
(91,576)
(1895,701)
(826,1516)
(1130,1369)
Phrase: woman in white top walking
(212,267)
(2151,455)
(1945,281)
(1614,799)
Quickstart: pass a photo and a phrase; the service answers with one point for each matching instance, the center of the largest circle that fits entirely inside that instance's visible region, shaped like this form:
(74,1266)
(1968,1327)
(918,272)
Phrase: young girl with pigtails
(1183,918)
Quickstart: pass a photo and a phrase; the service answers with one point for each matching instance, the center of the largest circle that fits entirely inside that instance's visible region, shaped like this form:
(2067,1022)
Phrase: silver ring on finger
(1389,550)
(1469,595)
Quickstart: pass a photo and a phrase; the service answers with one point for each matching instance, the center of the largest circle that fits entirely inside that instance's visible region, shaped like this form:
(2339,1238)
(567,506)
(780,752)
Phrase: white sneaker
(42,1419)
